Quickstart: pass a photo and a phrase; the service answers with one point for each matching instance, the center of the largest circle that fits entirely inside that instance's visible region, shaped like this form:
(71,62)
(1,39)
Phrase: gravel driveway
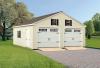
(89,58)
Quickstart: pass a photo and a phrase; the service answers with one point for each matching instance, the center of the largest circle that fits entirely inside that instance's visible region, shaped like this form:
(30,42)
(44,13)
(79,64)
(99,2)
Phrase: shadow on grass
(92,47)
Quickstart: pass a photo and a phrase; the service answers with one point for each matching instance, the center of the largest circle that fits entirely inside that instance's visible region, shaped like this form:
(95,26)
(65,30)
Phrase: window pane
(68,22)
(42,30)
(18,34)
(54,22)
(68,30)
(53,30)
(77,30)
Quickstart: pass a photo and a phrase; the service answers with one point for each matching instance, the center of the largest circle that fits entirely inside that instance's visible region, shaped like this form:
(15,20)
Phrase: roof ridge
(47,14)
(43,16)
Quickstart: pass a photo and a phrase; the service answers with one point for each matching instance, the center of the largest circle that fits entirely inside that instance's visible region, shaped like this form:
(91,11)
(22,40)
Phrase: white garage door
(48,37)
(72,37)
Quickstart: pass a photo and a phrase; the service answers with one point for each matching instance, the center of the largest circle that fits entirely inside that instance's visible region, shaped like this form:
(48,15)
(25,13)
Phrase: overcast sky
(81,10)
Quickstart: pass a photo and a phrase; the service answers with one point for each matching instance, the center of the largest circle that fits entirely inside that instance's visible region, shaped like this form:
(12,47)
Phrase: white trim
(23,25)
(61,12)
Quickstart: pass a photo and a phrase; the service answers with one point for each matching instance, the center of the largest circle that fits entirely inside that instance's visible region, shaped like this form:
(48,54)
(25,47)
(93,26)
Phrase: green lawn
(94,42)
(17,57)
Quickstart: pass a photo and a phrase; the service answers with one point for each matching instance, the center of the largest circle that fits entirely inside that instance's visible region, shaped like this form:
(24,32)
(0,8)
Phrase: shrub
(96,33)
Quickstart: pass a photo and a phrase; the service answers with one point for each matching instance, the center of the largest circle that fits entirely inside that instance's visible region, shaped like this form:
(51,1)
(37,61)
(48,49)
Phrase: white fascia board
(23,25)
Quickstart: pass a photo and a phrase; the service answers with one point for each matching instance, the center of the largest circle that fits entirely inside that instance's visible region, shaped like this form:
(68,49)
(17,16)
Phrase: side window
(18,34)
(54,22)
(68,22)
(68,30)
(77,30)
(53,30)
(42,30)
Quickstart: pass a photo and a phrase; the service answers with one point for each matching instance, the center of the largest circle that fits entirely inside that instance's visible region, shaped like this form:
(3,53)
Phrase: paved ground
(89,58)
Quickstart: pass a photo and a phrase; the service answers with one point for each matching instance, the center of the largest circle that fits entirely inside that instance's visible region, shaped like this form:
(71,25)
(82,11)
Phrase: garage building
(55,30)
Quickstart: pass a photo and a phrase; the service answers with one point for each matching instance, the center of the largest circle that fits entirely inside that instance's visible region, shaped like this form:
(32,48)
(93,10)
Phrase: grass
(94,42)
(17,57)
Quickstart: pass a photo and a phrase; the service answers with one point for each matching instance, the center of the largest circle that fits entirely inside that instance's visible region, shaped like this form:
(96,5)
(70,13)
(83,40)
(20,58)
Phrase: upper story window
(54,22)
(68,22)
(77,30)
(42,30)
(53,30)
(18,34)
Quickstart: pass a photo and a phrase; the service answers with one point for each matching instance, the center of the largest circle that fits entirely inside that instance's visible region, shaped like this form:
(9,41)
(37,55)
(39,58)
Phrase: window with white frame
(68,30)
(42,30)
(53,30)
(54,22)
(77,30)
(18,34)
(68,22)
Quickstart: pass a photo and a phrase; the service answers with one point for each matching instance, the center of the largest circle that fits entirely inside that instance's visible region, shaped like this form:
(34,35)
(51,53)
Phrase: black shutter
(51,21)
(57,22)
(70,22)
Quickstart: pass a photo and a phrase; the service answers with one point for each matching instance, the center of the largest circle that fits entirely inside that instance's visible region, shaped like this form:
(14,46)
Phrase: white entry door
(48,37)
(73,37)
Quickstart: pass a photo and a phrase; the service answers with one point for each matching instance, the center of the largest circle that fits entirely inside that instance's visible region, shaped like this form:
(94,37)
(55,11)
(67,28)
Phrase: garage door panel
(76,35)
(73,38)
(77,43)
(77,39)
(48,39)
(43,39)
(68,39)
(43,44)
(54,38)
(46,45)
(68,35)
(73,43)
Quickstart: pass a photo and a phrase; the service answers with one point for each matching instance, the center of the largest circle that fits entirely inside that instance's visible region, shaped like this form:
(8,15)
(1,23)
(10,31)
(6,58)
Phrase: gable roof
(43,17)
(36,19)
